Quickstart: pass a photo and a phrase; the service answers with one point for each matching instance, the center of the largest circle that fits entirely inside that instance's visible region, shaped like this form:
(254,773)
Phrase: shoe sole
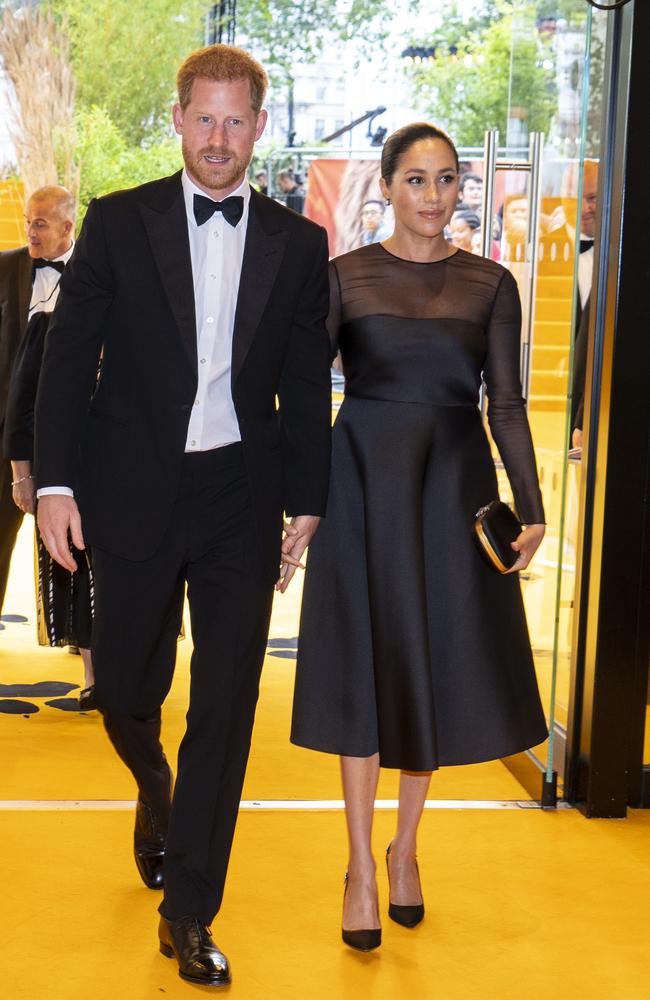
(168,952)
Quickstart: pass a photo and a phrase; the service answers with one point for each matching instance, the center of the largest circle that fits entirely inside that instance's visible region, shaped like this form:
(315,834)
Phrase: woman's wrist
(22,479)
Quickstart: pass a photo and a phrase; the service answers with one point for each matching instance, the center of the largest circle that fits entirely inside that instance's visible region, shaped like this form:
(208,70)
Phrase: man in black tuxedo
(29,278)
(207,301)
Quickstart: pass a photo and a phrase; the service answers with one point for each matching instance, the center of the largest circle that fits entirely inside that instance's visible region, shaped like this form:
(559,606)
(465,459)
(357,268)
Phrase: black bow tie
(231,208)
(58,265)
(586,245)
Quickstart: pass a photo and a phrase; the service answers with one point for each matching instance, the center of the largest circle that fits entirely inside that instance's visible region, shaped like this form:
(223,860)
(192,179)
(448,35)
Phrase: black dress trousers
(210,545)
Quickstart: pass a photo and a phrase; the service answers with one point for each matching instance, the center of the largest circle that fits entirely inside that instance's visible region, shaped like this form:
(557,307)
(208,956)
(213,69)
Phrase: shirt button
(193,443)
(213,275)
(197,402)
(210,319)
(202,361)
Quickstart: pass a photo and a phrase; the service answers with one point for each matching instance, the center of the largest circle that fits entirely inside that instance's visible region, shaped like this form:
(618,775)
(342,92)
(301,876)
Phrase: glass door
(547,214)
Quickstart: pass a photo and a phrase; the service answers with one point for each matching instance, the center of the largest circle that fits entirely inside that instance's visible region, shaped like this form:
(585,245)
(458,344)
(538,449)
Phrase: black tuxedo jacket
(128,295)
(15,294)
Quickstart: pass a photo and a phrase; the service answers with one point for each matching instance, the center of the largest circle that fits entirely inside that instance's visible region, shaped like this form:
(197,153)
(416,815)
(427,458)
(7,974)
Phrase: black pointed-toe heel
(364,940)
(87,700)
(407,916)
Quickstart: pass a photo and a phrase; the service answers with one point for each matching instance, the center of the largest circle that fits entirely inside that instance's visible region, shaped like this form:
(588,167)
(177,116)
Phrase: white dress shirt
(217,252)
(585,271)
(45,290)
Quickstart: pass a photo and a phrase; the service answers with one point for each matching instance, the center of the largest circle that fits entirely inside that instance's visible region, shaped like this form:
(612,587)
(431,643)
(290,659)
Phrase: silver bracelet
(23,479)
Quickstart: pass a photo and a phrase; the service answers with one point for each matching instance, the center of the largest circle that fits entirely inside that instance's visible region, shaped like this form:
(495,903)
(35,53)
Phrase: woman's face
(424,188)
(461,233)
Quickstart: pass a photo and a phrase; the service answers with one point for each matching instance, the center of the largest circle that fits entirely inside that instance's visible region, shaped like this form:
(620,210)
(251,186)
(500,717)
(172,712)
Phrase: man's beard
(215,176)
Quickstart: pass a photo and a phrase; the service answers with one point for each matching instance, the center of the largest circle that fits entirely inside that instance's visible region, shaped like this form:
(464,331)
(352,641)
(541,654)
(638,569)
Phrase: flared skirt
(410,644)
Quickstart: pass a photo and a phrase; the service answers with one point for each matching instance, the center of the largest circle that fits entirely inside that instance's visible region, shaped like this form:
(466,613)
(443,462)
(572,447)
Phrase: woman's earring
(388,201)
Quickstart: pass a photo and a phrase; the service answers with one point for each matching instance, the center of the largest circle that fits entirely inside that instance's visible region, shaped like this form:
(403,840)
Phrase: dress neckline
(420,263)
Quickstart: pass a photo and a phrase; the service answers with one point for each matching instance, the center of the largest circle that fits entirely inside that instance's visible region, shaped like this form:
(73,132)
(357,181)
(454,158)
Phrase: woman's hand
(526,545)
(23,493)
(23,496)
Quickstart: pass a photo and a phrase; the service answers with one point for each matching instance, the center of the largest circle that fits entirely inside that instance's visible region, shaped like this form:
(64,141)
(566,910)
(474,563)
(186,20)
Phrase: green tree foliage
(285,32)
(472,87)
(109,163)
(125,56)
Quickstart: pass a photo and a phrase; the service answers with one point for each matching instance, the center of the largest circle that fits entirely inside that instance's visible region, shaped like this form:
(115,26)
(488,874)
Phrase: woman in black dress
(64,601)
(413,653)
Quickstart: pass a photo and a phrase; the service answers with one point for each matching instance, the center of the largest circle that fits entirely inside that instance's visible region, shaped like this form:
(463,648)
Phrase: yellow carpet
(521,905)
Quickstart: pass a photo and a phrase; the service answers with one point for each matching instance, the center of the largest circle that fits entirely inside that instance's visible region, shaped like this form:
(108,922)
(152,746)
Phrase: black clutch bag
(495,528)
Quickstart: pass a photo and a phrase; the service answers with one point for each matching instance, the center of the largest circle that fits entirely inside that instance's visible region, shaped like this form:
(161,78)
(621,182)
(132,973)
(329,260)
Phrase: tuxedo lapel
(165,221)
(24,289)
(263,253)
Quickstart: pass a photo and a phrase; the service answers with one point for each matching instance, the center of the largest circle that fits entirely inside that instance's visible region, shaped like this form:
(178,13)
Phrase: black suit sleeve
(580,370)
(19,419)
(71,358)
(305,397)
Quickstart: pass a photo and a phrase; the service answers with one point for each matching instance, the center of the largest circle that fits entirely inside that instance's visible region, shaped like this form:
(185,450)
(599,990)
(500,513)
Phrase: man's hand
(58,515)
(526,545)
(297,536)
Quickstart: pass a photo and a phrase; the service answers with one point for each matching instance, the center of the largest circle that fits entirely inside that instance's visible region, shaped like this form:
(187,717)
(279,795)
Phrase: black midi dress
(410,644)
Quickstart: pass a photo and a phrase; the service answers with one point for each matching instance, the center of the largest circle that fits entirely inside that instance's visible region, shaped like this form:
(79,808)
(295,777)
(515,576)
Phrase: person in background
(374,228)
(64,599)
(294,193)
(580,233)
(19,290)
(462,226)
(470,192)
(262,181)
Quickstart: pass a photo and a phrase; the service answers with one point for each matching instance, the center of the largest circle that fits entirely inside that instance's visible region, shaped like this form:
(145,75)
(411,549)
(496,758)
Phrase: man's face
(371,216)
(48,234)
(219,129)
(473,194)
(286,185)
(589,204)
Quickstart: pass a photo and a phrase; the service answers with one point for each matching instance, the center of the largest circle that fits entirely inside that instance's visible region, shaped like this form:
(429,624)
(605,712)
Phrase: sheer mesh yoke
(428,333)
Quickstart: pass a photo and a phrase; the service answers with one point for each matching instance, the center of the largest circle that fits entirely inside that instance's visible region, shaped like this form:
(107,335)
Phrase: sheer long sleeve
(334,315)
(507,410)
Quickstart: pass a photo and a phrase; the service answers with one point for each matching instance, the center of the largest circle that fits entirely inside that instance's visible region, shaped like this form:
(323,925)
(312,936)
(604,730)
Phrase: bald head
(49,221)
(570,184)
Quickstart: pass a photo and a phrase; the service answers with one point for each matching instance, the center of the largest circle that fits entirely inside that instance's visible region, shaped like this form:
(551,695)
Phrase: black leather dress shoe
(149,846)
(199,959)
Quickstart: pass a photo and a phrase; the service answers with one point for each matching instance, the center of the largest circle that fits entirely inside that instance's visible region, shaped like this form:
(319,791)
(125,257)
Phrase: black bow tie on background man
(586,245)
(231,208)
(58,265)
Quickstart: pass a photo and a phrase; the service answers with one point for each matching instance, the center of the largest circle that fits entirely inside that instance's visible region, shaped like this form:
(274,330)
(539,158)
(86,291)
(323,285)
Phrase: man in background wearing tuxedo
(29,279)
(208,301)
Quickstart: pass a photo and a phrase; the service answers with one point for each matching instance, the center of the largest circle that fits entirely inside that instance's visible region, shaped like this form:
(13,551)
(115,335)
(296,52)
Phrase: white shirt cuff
(49,491)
